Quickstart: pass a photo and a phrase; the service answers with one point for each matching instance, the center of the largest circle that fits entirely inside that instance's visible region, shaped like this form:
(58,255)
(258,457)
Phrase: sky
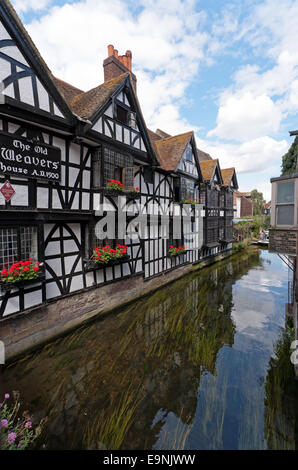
(226,69)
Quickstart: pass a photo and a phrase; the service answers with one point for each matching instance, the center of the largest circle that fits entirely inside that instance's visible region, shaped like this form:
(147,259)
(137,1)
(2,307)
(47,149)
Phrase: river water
(203,363)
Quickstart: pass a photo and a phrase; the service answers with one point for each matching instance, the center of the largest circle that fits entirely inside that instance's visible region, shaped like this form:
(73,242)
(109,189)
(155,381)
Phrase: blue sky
(226,69)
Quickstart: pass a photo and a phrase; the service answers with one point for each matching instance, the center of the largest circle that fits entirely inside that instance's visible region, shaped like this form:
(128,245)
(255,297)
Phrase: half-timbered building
(230,184)
(210,190)
(60,146)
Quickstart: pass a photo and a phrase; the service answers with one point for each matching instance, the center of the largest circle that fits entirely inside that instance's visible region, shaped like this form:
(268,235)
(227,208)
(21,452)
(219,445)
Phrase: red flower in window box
(175,251)
(116,185)
(105,255)
(21,271)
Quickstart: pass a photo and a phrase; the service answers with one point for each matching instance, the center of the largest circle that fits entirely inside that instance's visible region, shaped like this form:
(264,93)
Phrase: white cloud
(165,38)
(23,6)
(259,97)
(170,42)
(256,155)
(247,117)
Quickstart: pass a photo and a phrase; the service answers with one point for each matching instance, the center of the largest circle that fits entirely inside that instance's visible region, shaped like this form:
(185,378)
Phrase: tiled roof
(162,134)
(86,104)
(169,151)
(227,175)
(203,156)
(208,168)
(153,136)
(240,194)
(267,205)
(68,91)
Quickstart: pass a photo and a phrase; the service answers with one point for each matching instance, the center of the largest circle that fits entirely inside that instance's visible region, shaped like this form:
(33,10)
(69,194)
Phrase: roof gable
(211,171)
(171,153)
(98,106)
(28,82)
(87,105)
(229,177)
(170,150)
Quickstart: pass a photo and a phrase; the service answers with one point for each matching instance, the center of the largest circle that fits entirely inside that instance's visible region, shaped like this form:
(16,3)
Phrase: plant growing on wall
(16,432)
(21,271)
(289,160)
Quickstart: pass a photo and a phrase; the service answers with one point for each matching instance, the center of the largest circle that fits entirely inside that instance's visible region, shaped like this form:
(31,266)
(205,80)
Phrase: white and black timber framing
(55,220)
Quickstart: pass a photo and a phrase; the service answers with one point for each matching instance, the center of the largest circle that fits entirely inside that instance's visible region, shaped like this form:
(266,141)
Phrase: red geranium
(175,251)
(21,271)
(102,255)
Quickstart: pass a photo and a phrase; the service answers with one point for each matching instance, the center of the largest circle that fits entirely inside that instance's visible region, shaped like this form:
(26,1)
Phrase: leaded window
(222,200)
(187,189)
(212,197)
(96,168)
(118,166)
(229,199)
(17,244)
(188,153)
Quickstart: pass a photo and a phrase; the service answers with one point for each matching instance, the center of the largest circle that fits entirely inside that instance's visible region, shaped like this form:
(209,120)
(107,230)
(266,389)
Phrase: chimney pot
(110,50)
(116,65)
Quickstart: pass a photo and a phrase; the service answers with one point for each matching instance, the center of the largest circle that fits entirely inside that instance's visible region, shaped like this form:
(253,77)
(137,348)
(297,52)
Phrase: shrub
(237,247)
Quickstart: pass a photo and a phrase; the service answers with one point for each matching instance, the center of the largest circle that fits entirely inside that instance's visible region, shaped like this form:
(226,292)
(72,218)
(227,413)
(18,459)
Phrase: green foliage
(238,247)
(251,228)
(257,200)
(16,433)
(281,388)
(289,160)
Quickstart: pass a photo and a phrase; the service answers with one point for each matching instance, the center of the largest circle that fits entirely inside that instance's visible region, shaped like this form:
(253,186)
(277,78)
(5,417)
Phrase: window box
(90,264)
(191,202)
(176,251)
(7,286)
(104,256)
(115,193)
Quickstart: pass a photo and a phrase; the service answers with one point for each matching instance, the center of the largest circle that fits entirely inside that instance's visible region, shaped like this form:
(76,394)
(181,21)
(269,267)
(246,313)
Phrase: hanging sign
(7,191)
(20,157)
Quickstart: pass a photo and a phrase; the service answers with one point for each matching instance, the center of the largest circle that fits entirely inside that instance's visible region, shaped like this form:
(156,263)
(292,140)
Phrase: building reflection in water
(133,380)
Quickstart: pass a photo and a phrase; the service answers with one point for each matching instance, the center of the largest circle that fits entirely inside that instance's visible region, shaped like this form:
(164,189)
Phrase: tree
(289,160)
(257,201)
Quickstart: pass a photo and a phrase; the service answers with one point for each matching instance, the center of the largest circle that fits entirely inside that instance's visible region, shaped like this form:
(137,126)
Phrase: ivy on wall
(289,160)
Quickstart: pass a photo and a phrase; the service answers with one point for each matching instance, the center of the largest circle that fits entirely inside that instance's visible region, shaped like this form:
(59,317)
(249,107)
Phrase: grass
(110,429)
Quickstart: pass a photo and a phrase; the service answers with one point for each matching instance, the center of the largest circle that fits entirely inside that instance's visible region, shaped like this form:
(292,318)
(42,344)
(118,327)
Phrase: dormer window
(188,153)
(121,114)
(126,117)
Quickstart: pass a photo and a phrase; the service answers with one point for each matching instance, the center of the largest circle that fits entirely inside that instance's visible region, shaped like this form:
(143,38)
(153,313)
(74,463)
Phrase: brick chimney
(115,65)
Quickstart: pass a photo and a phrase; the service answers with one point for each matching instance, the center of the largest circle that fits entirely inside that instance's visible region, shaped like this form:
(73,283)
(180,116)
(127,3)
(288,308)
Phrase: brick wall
(246,208)
(283,241)
(113,68)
